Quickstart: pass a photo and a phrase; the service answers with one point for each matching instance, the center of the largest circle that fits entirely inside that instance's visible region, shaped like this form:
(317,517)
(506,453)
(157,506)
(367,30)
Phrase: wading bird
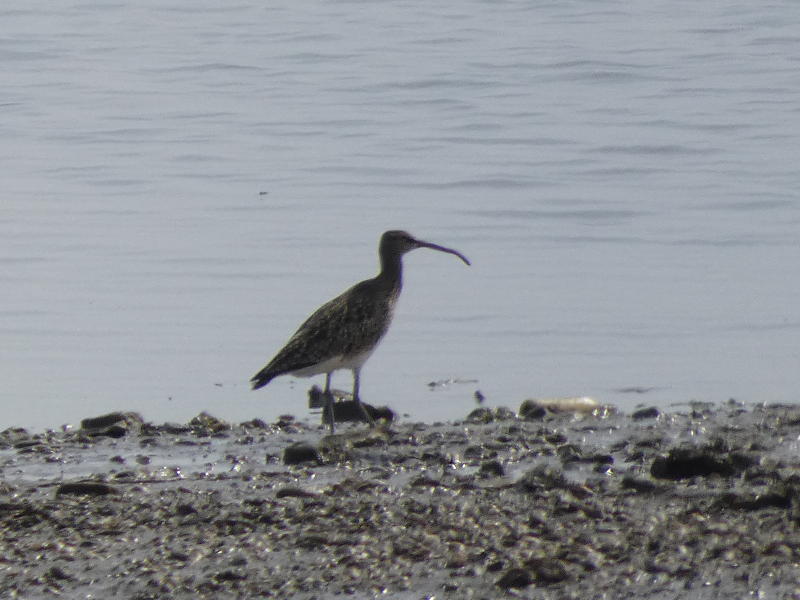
(344,332)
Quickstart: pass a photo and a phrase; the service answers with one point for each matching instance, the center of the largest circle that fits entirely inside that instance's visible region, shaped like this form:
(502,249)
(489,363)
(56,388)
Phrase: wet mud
(699,502)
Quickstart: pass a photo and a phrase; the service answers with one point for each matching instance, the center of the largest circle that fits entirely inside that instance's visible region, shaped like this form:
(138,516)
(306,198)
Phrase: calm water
(183,183)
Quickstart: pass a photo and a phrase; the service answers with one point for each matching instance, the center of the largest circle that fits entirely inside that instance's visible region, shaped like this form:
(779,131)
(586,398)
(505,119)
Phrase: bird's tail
(262,378)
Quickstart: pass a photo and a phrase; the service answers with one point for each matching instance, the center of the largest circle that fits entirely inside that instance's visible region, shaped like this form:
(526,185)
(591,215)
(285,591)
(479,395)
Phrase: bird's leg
(329,400)
(357,400)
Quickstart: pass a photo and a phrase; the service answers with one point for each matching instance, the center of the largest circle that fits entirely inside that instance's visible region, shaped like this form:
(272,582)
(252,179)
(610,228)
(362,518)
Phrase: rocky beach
(702,501)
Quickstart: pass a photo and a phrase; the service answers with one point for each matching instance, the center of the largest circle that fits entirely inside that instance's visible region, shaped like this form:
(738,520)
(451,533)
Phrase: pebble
(646,413)
(515,578)
(704,500)
(690,461)
(113,425)
(294,492)
(299,453)
(86,488)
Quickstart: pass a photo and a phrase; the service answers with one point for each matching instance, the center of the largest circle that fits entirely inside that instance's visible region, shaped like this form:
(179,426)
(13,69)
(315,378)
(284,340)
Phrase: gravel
(700,502)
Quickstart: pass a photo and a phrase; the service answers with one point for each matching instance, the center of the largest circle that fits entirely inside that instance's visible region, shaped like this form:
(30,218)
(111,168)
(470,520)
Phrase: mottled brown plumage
(343,333)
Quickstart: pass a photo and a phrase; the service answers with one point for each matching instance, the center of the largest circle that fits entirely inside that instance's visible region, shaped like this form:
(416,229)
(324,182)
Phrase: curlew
(344,332)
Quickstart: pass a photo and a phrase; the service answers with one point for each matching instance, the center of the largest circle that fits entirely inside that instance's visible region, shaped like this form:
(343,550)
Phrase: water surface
(183,184)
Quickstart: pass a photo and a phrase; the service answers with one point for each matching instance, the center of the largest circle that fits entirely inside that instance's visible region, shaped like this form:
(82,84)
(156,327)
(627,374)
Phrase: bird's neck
(391,273)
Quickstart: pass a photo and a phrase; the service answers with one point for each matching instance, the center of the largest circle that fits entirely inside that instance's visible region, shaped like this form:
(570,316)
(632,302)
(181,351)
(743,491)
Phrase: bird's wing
(343,326)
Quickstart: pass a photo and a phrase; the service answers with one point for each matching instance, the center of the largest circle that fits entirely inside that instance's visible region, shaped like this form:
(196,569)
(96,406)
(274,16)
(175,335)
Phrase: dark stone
(485,415)
(347,411)
(102,421)
(381,413)
(474,452)
(530,410)
(713,459)
(227,576)
(541,477)
(646,413)
(57,572)
(425,481)
(779,496)
(207,423)
(503,413)
(547,570)
(312,541)
(179,556)
(11,436)
(27,444)
(601,468)
(85,488)
(369,441)
(603,459)
(569,453)
(639,485)
(115,431)
(294,492)
(480,415)
(300,453)
(515,578)
(494,567)
(286,423)
(491,468)
(183,510)
(114,425)
(556,438)
(173,428)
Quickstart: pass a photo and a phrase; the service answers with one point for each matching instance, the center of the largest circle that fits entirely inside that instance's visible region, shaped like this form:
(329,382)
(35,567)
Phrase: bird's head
(395,243)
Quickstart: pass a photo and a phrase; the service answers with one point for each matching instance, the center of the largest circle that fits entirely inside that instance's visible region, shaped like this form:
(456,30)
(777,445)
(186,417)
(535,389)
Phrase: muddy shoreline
(702,502)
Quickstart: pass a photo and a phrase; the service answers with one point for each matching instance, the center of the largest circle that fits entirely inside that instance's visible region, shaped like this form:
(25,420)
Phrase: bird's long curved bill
(443,249)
